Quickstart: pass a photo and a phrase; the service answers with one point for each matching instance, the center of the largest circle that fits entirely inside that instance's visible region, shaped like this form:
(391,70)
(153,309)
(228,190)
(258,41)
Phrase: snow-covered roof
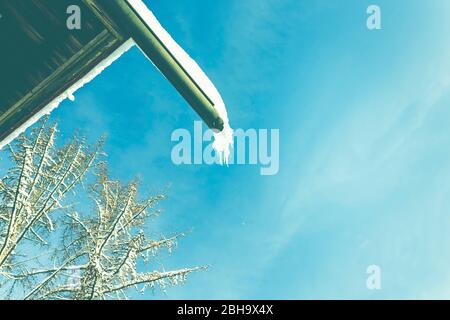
(223,139)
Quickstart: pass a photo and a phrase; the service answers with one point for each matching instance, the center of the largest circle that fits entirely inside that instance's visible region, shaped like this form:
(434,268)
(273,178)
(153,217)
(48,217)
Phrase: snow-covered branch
(99,252)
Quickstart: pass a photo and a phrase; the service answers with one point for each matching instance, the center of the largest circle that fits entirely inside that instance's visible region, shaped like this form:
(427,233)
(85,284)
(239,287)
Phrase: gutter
(134,20)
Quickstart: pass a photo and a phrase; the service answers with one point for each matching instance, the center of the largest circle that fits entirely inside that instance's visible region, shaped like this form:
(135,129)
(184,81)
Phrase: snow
(69,92)
(222,140)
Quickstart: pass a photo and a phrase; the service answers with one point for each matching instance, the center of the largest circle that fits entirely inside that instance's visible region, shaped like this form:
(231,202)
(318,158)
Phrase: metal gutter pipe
(132,25)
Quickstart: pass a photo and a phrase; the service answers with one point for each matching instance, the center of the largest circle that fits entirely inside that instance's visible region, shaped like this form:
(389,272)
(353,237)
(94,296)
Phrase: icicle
(71,96)
(223,140)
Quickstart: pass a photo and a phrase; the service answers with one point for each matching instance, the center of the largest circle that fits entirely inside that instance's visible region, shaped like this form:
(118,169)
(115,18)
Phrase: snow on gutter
(222,140)
(69,93)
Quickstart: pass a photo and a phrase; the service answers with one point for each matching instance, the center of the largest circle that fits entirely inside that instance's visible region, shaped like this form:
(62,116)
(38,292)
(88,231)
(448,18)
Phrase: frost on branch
(101,251)
(40,177)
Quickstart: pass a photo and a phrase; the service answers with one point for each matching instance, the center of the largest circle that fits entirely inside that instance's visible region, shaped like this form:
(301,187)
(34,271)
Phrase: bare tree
(92,252)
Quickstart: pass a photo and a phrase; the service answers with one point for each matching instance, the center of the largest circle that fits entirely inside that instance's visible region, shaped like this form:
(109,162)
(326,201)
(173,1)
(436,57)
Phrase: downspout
(131,25)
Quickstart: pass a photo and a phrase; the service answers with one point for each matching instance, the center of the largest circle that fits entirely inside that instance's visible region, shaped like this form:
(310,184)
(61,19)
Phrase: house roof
(41,58)
(43,62)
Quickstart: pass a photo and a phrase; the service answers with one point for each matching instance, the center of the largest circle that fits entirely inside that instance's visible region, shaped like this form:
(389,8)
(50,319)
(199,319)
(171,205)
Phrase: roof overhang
(43,62)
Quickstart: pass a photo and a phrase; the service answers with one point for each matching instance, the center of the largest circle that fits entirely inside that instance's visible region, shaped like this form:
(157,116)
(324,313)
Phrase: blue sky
(364,146)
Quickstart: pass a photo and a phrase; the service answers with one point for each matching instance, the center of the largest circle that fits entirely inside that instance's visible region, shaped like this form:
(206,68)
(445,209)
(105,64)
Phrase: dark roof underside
(40,57)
